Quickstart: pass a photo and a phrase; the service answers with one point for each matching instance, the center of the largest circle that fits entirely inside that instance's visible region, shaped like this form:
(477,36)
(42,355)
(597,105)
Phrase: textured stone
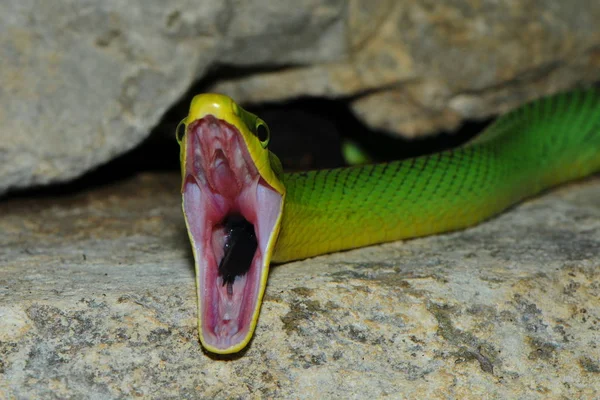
(417,67)
(83,82)
(97,300)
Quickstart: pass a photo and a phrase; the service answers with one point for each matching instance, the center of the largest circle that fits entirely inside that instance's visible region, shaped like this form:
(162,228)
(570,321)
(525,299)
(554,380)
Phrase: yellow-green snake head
(232,202)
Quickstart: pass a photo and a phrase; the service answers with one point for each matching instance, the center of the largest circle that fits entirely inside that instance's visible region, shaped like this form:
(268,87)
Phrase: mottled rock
(97,300)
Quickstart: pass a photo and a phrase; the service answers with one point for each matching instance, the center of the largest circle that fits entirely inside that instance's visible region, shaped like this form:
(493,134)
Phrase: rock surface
(84,82)
(416,67)
(97,301)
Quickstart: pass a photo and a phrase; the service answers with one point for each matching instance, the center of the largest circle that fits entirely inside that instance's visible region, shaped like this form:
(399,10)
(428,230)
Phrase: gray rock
(83,82)
(417,67)
(97,301)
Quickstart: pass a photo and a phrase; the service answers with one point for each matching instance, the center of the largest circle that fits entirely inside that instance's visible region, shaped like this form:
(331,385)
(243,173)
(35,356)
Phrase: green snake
(243,212)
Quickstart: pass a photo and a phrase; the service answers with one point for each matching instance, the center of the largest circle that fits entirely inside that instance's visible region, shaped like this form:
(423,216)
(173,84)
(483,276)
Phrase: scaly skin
(531,149)
(540,145)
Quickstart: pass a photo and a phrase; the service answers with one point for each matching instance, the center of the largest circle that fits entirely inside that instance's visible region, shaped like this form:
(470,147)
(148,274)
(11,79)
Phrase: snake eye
(261,131)
(180,131)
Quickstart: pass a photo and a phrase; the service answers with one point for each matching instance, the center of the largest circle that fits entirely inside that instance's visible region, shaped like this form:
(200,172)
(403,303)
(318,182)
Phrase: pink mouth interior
(221,180)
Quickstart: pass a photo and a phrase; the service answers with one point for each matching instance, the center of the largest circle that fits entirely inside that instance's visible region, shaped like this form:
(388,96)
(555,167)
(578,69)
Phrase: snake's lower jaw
(221,182)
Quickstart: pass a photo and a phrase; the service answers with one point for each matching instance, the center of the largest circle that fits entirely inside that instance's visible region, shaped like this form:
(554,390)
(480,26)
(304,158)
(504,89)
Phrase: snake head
(232,203)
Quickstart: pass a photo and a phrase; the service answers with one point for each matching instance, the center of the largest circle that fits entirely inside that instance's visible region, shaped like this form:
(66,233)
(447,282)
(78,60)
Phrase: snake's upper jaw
(221,183)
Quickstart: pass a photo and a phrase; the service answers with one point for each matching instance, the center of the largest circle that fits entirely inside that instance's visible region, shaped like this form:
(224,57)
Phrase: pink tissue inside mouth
(220,180)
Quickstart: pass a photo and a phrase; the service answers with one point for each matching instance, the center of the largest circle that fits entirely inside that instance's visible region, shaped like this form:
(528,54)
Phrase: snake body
(539,145)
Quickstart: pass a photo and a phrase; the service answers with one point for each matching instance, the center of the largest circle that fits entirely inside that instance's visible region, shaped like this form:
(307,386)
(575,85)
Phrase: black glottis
(239,249)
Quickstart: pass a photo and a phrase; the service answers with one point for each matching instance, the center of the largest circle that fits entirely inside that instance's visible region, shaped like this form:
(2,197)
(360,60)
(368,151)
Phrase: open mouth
(231,213)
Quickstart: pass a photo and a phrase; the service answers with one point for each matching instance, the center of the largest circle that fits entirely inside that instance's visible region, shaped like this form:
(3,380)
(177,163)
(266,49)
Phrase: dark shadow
(307,133)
